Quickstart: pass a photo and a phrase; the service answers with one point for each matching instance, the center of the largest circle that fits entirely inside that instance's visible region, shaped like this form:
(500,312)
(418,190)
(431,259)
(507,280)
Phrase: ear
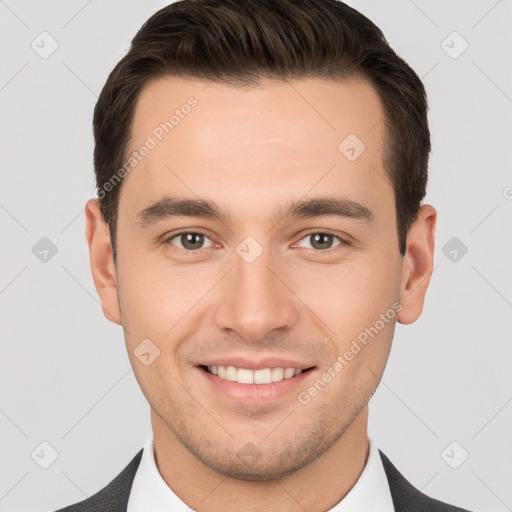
(101,259)
(417,265)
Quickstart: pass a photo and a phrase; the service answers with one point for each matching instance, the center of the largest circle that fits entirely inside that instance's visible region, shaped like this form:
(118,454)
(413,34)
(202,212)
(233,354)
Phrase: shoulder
(114,496)
(406,498)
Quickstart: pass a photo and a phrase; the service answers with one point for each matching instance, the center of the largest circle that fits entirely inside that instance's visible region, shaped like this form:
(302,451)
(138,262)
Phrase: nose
(255,300)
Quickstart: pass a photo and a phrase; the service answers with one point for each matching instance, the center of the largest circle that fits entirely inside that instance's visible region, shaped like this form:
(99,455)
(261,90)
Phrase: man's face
(212,299)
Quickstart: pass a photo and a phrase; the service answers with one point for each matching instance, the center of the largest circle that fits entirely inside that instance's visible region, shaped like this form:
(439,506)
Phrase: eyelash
(341,240)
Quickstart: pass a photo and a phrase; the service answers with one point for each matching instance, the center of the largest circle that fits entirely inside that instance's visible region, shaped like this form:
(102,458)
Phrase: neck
(316,487)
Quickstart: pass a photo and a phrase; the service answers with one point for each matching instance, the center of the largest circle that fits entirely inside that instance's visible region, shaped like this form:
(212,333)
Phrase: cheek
(153,298)
(360,307)
(154,304)
(350,297)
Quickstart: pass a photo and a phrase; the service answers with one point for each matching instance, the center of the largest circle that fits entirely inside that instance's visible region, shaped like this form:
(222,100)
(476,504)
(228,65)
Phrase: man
(259,232)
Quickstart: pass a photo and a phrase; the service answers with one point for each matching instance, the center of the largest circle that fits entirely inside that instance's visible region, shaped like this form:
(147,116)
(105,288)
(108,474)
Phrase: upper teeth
(245,376)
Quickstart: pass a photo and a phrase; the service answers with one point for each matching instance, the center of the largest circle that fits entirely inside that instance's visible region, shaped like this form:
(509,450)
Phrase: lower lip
(255,393)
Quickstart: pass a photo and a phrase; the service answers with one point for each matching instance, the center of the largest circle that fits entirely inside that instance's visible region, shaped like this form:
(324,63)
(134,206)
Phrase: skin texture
(252,150)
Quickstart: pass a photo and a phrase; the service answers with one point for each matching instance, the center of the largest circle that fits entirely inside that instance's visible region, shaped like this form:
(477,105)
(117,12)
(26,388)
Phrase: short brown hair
(241,42)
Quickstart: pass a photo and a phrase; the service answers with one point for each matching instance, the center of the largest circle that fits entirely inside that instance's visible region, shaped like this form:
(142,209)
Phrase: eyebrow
(169,207)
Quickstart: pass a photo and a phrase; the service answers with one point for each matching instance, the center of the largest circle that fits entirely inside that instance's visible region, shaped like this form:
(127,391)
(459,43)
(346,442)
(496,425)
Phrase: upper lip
(253,363)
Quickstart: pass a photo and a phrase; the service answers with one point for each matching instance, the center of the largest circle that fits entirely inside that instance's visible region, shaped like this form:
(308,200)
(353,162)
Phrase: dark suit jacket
(114,497)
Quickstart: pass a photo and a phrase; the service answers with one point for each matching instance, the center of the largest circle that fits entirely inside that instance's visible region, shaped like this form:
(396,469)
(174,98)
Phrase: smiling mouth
(247,376)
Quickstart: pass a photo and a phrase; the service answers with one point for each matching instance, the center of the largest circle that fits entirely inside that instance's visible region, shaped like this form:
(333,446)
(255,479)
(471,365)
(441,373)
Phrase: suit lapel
(407,498)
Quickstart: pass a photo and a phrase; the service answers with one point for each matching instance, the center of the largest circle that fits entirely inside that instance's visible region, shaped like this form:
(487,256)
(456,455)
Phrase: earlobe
(417,265)
(101,261)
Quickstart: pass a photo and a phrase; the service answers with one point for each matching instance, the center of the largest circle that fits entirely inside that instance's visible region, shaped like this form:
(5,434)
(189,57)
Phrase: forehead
(272,109)
(278,138)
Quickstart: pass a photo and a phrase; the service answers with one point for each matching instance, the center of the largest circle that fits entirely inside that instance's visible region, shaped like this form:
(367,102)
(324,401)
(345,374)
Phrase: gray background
(65,376)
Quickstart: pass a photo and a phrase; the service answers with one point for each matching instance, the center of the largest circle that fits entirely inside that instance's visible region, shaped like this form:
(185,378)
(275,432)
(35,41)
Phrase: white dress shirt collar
(150,492)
